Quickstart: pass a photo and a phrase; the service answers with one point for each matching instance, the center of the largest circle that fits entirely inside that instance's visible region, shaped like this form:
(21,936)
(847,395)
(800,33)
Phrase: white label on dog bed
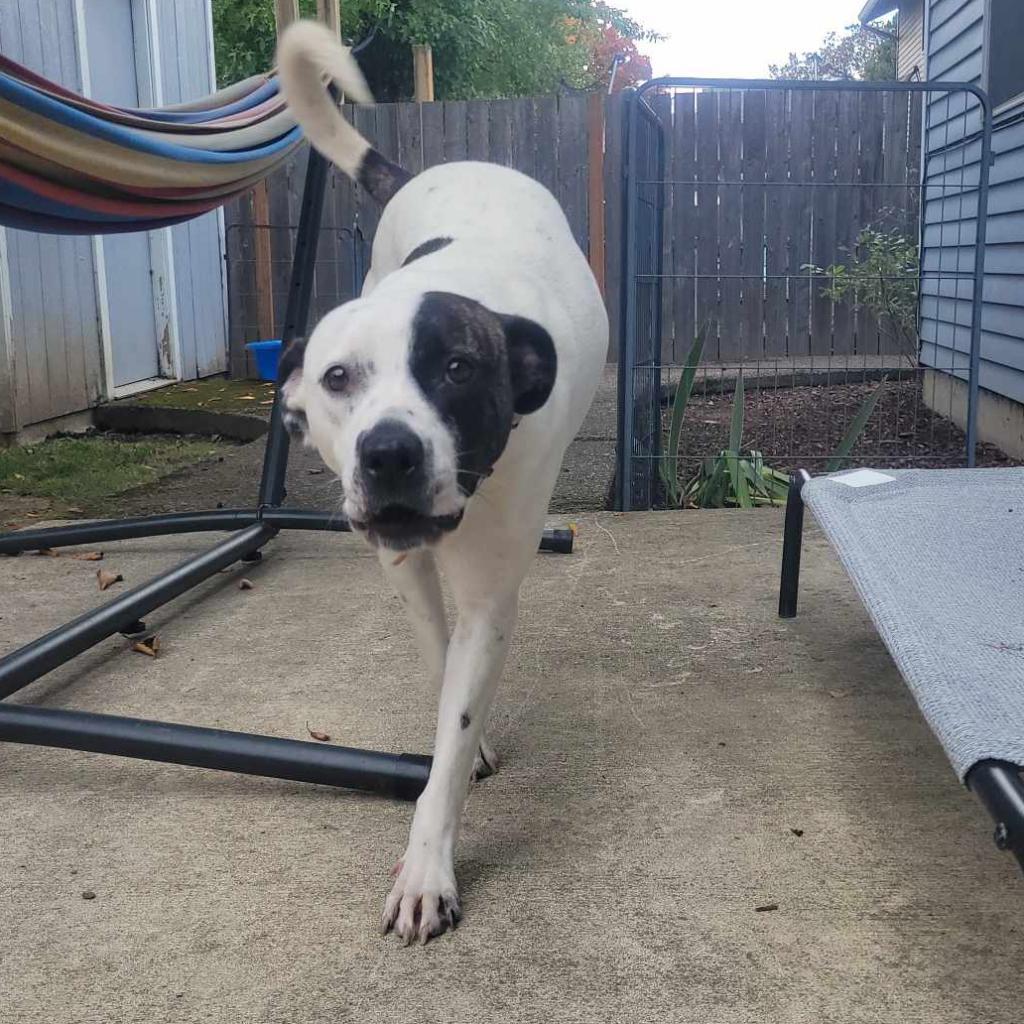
(863,478)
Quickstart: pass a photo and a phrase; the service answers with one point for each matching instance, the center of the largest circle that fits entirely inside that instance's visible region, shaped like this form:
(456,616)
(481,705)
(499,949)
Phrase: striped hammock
(73,166)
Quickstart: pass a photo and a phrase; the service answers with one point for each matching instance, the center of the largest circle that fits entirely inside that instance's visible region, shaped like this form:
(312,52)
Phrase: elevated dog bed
(937,557)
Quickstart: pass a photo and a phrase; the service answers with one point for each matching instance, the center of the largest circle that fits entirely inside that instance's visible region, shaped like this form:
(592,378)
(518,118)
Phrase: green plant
(881,275)
(735,478)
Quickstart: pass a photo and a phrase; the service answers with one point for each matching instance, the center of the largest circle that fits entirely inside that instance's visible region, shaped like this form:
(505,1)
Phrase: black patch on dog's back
(513,371)
(380,177)
(426,248)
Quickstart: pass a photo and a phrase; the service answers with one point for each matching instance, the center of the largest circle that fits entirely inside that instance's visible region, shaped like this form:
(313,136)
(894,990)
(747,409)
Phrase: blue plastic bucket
(266,354)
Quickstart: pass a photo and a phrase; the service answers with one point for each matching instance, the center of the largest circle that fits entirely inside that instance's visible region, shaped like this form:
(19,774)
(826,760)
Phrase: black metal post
(397,775)
(28,663)
(122,529)
(999,787)
(793,536)
(296,319)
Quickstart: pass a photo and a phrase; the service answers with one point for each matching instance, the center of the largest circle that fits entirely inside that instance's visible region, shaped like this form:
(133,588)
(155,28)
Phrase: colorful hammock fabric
(69,165)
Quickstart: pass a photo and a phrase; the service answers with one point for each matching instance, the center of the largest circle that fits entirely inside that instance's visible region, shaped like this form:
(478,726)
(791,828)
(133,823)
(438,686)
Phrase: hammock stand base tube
(402,776)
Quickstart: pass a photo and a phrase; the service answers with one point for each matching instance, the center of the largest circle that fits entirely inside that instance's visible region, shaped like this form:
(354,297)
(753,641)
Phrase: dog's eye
(335,379)
(459,370)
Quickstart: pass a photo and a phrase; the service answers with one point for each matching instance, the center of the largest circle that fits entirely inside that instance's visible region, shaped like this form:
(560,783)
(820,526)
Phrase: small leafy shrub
(881,275)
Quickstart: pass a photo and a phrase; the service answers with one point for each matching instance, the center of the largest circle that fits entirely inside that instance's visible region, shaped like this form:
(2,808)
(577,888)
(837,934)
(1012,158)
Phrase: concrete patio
(674,757)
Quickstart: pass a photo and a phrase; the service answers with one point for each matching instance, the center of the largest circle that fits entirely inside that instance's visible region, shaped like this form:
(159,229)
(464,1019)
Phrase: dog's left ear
(532,362)
(289,381)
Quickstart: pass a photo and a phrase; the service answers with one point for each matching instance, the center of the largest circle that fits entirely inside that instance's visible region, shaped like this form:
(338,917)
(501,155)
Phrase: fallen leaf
(765,908)
(271,402)
(798,832)
(150,647)
(247,398)
(49,552)
(88,895)
(315,472)
(75,508)
(318,735)
(244,584)
(400,559)
(33,515)
(107,579)
(88,556)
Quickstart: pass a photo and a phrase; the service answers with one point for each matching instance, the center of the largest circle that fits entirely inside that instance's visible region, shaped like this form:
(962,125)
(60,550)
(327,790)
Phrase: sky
(735,38)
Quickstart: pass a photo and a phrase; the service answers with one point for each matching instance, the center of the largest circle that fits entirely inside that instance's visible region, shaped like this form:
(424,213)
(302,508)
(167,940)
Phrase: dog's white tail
(308,56)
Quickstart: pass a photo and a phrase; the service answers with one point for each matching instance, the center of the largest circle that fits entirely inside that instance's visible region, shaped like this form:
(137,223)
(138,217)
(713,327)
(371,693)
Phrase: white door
(133,346)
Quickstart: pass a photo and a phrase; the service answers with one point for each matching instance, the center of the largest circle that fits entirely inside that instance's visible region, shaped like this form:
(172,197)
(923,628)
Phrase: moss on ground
(215,394)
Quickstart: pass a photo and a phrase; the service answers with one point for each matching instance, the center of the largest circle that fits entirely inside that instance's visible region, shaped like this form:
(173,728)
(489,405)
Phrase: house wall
(53,364)
(51,352)
(910,44)
(956,51)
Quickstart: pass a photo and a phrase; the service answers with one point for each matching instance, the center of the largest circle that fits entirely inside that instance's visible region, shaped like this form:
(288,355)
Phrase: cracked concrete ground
(664,739)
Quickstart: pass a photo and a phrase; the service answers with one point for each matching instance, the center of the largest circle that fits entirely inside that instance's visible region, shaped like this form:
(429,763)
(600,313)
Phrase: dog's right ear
(290,384)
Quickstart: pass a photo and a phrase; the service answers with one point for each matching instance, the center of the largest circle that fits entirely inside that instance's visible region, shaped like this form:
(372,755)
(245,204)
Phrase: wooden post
(423,73)
(264,278)
(328,11)
(285,12)
(595,185)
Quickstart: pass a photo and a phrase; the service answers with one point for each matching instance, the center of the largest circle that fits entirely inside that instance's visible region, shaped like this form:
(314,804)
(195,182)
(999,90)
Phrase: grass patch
(83,469)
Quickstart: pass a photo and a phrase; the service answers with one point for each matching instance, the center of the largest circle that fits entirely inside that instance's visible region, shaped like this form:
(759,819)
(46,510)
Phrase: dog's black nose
(391,457)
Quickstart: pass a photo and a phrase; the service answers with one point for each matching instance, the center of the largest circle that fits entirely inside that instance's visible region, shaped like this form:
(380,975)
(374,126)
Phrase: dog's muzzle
(396,489)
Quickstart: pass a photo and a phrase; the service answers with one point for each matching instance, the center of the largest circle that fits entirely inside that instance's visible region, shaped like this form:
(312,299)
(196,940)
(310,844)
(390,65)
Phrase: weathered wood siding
(187,74)
(55,364)
(956,42)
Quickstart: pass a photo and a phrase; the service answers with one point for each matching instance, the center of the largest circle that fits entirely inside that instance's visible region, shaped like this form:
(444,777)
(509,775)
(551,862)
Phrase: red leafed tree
(634,67)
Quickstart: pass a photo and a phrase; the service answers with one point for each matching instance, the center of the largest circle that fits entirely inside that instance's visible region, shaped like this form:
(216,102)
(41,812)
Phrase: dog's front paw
(424,900)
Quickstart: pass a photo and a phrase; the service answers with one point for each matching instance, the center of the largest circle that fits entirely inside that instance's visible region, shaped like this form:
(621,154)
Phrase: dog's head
(411,402)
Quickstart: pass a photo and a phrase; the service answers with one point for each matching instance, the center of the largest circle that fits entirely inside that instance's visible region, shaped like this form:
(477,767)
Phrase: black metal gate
(755,267)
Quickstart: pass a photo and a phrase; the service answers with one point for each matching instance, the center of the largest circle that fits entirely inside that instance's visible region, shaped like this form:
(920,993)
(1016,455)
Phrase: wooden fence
(759,185)
(749,197)
(555,139)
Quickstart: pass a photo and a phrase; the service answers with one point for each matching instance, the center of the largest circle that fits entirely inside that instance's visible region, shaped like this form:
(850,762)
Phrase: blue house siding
(955,47)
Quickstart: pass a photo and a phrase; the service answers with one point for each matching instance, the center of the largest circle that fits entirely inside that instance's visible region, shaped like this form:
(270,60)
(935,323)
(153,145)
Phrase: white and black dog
(444,397)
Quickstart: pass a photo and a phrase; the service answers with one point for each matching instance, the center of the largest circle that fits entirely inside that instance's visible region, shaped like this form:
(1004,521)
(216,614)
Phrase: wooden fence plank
(826,115)
(847,221)
(547,126)
(499,144)
(410,136)
(872,168)
(595,188)
(571,187)
(730,123)
(614,147)
(432,115)
(706,260)
(660,195)
(681,224)
(455,138)
(777,265)
(752,200)
(477,129)
(799,211)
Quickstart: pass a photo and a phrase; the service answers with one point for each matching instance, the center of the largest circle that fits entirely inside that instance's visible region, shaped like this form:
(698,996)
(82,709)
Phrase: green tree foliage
(855,53)
(482,48)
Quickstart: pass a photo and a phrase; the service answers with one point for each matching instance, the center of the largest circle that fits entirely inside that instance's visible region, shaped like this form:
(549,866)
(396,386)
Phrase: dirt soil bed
(802,427)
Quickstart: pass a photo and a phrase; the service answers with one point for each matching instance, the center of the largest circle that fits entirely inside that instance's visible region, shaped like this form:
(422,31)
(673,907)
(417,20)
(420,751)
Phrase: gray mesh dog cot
(937,557)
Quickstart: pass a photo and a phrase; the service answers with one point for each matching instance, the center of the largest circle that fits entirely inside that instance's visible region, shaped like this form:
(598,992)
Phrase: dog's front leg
(424,900)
